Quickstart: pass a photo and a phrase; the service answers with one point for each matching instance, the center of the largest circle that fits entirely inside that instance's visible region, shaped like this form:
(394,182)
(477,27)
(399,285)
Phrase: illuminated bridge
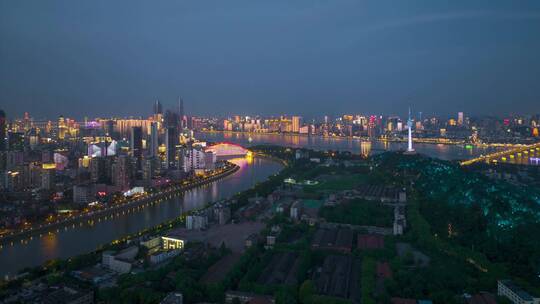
(526,154)
(228,150)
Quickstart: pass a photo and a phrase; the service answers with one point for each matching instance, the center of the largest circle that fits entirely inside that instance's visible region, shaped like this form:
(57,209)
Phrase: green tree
(307,290)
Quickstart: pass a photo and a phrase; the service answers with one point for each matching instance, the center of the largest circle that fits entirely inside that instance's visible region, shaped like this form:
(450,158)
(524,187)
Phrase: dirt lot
(233,235)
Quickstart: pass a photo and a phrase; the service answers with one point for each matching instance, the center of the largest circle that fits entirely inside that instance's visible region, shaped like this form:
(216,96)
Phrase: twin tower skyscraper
(173,123)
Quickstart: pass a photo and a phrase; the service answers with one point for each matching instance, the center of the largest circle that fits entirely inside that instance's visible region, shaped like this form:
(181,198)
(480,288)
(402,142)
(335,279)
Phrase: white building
(196,158)
(296,210)
(119,262)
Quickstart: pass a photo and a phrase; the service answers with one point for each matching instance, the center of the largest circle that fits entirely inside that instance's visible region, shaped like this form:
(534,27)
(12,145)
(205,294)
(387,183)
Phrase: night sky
(309,57)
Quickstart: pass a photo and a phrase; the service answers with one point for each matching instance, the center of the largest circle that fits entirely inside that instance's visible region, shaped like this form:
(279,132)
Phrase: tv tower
(410,148)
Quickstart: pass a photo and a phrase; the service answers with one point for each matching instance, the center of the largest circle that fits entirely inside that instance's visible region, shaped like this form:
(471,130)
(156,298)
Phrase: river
(442,151)
(78,240)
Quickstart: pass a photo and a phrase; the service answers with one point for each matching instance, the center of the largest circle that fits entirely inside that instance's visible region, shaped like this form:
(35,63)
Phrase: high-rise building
(171,141)
(122,172)
(62,127)
(296,124)
(100,169)
(460,118)
(154,142)
(150,166)
(195,158)
(158,109)
(136,142)
(123,126)
(3,128)
(81,194)
(48,174)
(181,114)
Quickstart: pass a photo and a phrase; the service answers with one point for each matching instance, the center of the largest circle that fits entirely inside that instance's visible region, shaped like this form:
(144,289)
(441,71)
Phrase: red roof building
(383,270)
(370,241)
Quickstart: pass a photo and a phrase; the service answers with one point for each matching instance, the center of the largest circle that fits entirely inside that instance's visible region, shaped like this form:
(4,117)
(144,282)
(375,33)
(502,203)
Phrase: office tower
(158,109)
(62,127)
(136,142)
(100,169)
(171,119)
(122,172)
(182,123)
(47,177)
(150,166)
(123,126)
(154,143)
(460,119)
(171,141)
(3,128)
(296,124)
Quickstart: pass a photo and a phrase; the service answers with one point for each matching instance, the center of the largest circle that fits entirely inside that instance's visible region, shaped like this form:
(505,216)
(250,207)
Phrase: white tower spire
(409,124)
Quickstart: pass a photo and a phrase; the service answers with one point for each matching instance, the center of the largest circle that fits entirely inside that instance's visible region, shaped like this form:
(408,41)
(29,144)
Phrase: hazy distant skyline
(307,57)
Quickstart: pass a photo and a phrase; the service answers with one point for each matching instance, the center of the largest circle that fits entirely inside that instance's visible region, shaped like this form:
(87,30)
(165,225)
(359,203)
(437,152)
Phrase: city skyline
(279,152)
(237,57)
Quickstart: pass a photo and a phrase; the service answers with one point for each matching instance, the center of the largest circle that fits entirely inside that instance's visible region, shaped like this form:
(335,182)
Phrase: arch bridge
(226,150)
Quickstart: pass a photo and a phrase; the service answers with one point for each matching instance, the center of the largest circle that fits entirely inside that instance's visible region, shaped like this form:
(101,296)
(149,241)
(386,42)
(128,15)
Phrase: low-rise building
(151,243)
(121,261)
(162,256)
(173,298)
(68,295)
(514,293)
(247,297)
(196,222)
(173,242)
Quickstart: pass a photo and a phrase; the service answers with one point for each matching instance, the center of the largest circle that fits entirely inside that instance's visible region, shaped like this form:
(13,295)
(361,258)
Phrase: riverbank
(129,206)
(33,272)
(72,241)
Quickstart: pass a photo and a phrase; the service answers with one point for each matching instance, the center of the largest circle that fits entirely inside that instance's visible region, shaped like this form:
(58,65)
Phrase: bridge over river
(520,155)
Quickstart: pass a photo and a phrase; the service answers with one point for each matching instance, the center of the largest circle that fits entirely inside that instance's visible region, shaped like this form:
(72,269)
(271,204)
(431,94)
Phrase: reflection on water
(365,148)
(448,152)
(50,246)
(80,239)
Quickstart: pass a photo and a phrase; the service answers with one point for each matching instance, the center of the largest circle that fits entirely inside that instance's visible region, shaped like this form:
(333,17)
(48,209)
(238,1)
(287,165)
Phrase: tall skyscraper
(62,127)
(171,140)
(136,142)
(158,109)
(3,127)
(122,172)
(170,119)
(296,124)
(154,143)
(181,114)
(460,118)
